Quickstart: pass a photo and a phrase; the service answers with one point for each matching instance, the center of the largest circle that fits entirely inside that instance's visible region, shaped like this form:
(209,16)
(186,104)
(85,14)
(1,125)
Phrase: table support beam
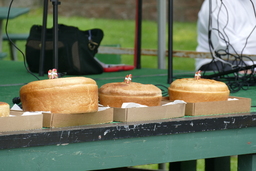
(217,164)
(183,166)
(247,162)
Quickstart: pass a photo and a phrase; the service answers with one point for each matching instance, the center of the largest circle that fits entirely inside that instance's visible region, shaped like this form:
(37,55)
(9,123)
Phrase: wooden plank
(130,151)
(16,36)
(153,52)
(14,12)
(125,130)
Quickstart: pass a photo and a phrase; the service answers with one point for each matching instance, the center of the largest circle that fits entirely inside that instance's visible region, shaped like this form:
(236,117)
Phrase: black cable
(6,28)
(253,8)
(163,88)
(224,34)
(236,60)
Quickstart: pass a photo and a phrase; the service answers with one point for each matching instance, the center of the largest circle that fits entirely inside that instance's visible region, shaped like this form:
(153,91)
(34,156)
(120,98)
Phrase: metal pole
(55,4)
(137,48)
(161,33)
(170,41)
(44,26)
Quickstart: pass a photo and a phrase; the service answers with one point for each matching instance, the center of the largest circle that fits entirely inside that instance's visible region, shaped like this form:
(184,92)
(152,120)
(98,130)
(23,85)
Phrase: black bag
(76,50)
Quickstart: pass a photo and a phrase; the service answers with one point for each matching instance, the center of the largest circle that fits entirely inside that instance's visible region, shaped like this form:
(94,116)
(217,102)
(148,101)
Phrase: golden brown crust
(202,90)
(115,94)
(60,82)
(131,89)
(62,95)
(4,109)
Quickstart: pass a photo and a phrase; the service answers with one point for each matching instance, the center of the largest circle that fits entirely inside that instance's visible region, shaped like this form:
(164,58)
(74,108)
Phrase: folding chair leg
(13,51)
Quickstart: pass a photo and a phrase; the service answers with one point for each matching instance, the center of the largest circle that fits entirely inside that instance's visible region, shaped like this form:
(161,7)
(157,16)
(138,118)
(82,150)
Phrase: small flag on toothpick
(198,75)
(52,74)
(128,79)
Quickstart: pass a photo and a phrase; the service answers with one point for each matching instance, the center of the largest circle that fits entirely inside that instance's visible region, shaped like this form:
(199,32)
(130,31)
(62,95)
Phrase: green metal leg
(13,51)
(247,162)
(217,164)
(183,166)
(162,166)
(2,55)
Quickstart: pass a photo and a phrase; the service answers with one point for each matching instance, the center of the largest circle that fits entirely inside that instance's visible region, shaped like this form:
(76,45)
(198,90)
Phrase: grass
(115,32)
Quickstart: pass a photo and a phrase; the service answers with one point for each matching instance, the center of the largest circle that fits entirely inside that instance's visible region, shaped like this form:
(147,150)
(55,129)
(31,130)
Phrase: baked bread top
(198,90)
(130,89)
(4,104)
(200,85)
(63,95)
(60,82)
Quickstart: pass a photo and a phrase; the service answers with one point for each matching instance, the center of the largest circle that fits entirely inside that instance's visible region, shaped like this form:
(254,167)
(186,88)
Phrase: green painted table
(114,145)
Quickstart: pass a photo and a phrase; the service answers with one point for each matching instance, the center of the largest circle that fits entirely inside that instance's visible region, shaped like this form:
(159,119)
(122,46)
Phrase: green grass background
(119,32)
(115,32)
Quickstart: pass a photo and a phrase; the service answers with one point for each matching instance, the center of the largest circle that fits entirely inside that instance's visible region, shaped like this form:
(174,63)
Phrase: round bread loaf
(63,95)
(202,90)
(115,94)
(4,109)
